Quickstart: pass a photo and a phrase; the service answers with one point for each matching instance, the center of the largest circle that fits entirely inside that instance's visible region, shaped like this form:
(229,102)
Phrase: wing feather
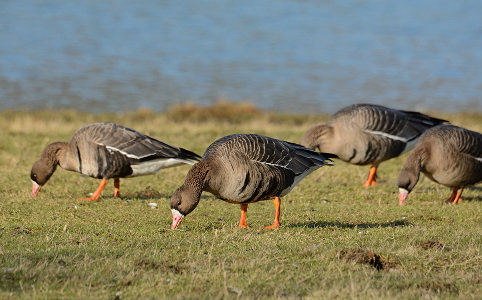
(270,151)
(131,143)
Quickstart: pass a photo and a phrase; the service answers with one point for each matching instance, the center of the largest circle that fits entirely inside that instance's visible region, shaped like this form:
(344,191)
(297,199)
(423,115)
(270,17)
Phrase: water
(300,56)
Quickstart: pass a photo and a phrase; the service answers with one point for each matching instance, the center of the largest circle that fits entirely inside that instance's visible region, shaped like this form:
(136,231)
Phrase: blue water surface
(291,56)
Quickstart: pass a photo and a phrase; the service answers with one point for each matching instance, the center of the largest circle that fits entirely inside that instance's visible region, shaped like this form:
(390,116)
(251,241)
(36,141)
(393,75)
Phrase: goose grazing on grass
(363,134)
(246,168)
(108,150)
(446,154)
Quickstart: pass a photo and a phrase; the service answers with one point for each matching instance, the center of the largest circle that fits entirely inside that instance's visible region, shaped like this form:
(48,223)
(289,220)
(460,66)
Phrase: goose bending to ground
(246,168)
(363,134)
(446,154)
(108,150)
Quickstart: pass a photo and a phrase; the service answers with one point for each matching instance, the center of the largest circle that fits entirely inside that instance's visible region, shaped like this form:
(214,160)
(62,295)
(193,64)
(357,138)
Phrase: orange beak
(176,218)
(403,196)
(35,188)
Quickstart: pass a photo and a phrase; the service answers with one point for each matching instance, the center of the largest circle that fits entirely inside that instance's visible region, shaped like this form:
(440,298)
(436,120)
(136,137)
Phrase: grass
(337,240)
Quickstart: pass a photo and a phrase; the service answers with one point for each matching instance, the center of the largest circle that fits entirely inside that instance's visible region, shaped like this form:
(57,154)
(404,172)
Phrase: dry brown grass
(221,110)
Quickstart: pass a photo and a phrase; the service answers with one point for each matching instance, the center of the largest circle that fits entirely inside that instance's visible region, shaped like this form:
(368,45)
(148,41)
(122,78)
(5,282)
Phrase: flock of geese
(246,168)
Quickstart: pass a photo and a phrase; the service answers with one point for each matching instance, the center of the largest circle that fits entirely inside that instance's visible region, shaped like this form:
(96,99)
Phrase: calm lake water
(301,56)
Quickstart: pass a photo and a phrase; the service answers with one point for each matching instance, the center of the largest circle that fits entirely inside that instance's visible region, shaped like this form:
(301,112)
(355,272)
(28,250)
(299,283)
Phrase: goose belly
(153,166)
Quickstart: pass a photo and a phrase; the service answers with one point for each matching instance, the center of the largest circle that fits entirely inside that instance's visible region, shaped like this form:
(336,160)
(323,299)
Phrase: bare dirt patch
(148,193)
(430,244)
(365,256)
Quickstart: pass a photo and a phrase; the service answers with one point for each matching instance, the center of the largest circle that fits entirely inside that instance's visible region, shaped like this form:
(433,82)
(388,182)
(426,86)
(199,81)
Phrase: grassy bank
(336,239)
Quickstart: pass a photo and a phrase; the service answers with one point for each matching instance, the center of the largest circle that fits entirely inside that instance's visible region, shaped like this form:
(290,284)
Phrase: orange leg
(242,221)
(452,197)
(456,196)
(117,188)
(277,205)
(372,177)
(97,192)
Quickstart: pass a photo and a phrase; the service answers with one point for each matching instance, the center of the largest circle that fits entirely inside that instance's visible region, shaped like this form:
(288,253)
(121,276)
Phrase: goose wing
(378,120)
(463,140)
(417,123)
(131,143)
(283,154)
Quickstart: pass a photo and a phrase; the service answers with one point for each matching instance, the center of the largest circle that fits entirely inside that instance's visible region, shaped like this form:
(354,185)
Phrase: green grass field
(336,240)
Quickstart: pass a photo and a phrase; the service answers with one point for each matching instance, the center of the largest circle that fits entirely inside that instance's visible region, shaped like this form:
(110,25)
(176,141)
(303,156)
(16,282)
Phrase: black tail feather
(186,154)
(329,155)
(423,118)
(303,148)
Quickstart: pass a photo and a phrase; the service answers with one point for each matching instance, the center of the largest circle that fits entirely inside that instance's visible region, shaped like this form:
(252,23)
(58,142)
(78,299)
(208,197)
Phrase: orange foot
(97,192)
(274,226)
(456,196)
(457,201)
(372,177)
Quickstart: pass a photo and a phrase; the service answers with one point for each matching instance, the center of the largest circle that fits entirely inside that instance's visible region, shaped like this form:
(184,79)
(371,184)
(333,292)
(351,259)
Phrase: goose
(108,150)
(246,168)
(447,154)
(363,134)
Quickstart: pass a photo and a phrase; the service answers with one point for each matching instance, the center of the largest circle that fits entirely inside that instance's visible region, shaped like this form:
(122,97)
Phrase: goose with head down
(246,168)
(108,150)
(368,134)
(446,154)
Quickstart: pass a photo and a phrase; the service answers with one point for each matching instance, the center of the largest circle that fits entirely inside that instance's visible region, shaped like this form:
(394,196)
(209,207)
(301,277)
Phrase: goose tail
(328,158)
(188,155)
(424,119)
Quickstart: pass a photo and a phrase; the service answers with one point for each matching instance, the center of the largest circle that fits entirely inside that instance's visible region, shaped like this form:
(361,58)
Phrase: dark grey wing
(293,157)
(304,158)
(395,124)
(417,123)
(464,140)
(132,143)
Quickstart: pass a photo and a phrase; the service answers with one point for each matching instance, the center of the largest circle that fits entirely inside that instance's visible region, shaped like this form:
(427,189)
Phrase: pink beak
(403,197)
(176,218)
(35,188)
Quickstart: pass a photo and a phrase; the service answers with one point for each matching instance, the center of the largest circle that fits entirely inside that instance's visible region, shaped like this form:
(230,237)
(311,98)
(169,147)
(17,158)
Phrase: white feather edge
(110,148)
(270,164)
(325,162)
(390,136)
(409,144)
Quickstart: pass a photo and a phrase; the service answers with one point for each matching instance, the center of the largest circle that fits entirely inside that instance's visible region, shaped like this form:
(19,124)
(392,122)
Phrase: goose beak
(176,218)
(403,196)
(35,188)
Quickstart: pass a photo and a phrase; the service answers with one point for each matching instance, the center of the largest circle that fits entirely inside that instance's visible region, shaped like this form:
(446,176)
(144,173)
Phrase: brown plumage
(446,154)
(246,168)
(108,150)
(363,134)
